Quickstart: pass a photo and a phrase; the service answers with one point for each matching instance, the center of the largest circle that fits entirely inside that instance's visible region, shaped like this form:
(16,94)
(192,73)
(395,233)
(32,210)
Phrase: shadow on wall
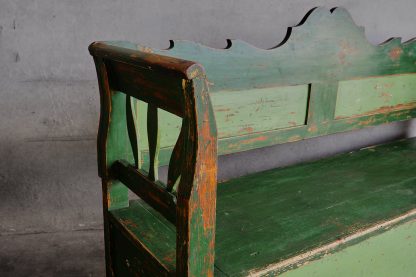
(239,164)
(311,149)
(49,186)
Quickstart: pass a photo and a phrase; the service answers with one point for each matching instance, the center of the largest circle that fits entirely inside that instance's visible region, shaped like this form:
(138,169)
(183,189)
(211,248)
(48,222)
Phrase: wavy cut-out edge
(306,19)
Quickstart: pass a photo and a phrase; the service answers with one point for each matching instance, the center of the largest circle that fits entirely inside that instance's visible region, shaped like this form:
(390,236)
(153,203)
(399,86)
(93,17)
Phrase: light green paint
(256,110)
(389,254)
(118,147)
(356,97)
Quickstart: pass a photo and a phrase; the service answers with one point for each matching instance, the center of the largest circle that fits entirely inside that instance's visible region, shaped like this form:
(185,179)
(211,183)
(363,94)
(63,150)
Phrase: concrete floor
(63,254)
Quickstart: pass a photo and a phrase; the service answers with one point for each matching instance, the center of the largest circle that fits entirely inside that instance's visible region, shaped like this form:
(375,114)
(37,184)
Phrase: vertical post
(322,101)
(196,204)
(110,143)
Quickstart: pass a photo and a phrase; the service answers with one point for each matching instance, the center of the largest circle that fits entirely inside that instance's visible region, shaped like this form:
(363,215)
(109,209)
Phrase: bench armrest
(181,68)
(179,87)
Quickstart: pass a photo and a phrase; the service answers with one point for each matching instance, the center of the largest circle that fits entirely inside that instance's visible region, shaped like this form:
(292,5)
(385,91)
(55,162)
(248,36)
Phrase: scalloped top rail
(325,45)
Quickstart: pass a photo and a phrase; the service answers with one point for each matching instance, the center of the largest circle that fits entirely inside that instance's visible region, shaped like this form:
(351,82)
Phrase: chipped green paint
(376,94)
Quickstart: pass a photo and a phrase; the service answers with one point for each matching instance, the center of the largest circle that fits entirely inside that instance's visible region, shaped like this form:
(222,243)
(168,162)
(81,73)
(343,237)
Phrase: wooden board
(375,95)
(268,217)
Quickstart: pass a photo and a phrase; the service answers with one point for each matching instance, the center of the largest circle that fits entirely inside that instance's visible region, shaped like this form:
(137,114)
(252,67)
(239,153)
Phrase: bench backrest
(324,78)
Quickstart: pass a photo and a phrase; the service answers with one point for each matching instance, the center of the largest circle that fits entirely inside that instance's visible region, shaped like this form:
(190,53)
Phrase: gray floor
(72,254)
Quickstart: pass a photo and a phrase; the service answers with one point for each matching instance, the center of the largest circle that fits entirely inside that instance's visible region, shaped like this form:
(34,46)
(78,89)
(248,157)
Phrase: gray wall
(48,92)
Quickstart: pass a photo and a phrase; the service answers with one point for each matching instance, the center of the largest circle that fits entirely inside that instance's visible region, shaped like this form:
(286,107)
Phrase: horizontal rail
(151,192)
(177,67)
(156,88)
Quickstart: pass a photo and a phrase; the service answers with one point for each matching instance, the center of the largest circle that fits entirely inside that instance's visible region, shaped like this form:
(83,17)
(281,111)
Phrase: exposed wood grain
(197,188)
(182,69)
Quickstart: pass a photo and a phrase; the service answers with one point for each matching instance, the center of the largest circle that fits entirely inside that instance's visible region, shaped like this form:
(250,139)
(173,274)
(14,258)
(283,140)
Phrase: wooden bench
(184,106)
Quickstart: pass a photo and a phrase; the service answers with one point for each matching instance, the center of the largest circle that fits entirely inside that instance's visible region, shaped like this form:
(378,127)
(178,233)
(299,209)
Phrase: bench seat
(271,216)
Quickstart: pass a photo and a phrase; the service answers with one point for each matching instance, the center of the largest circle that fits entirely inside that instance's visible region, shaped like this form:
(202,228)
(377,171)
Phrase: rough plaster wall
(49,96)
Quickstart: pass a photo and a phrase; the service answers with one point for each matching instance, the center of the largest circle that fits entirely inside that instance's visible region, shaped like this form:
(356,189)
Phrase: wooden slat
(153,135)
(132,130)
(182,69)
(175,163)
(151,192)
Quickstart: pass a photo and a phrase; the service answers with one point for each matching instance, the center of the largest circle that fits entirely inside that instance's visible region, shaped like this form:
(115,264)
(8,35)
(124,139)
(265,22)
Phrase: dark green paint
(274,215)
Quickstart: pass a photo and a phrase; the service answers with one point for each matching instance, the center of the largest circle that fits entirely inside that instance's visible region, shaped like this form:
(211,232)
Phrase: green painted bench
(184,106)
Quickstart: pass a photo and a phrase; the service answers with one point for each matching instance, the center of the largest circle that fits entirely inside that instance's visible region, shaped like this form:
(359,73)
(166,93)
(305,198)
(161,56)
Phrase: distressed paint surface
(389,254)
(270,216)
(257,110)
(375,95)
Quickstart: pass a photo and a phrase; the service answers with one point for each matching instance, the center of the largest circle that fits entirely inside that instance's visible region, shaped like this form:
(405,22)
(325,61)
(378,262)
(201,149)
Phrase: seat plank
(274,215)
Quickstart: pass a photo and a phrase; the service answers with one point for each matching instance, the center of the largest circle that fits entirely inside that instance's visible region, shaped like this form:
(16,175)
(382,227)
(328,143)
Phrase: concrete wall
(49,95)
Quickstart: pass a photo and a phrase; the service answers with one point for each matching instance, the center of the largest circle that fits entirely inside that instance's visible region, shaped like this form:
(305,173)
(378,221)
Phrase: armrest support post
(196,204)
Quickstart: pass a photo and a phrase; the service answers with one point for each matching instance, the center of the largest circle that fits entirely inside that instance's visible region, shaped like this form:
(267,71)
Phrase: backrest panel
(257,110)
(375,95)
(324,78)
